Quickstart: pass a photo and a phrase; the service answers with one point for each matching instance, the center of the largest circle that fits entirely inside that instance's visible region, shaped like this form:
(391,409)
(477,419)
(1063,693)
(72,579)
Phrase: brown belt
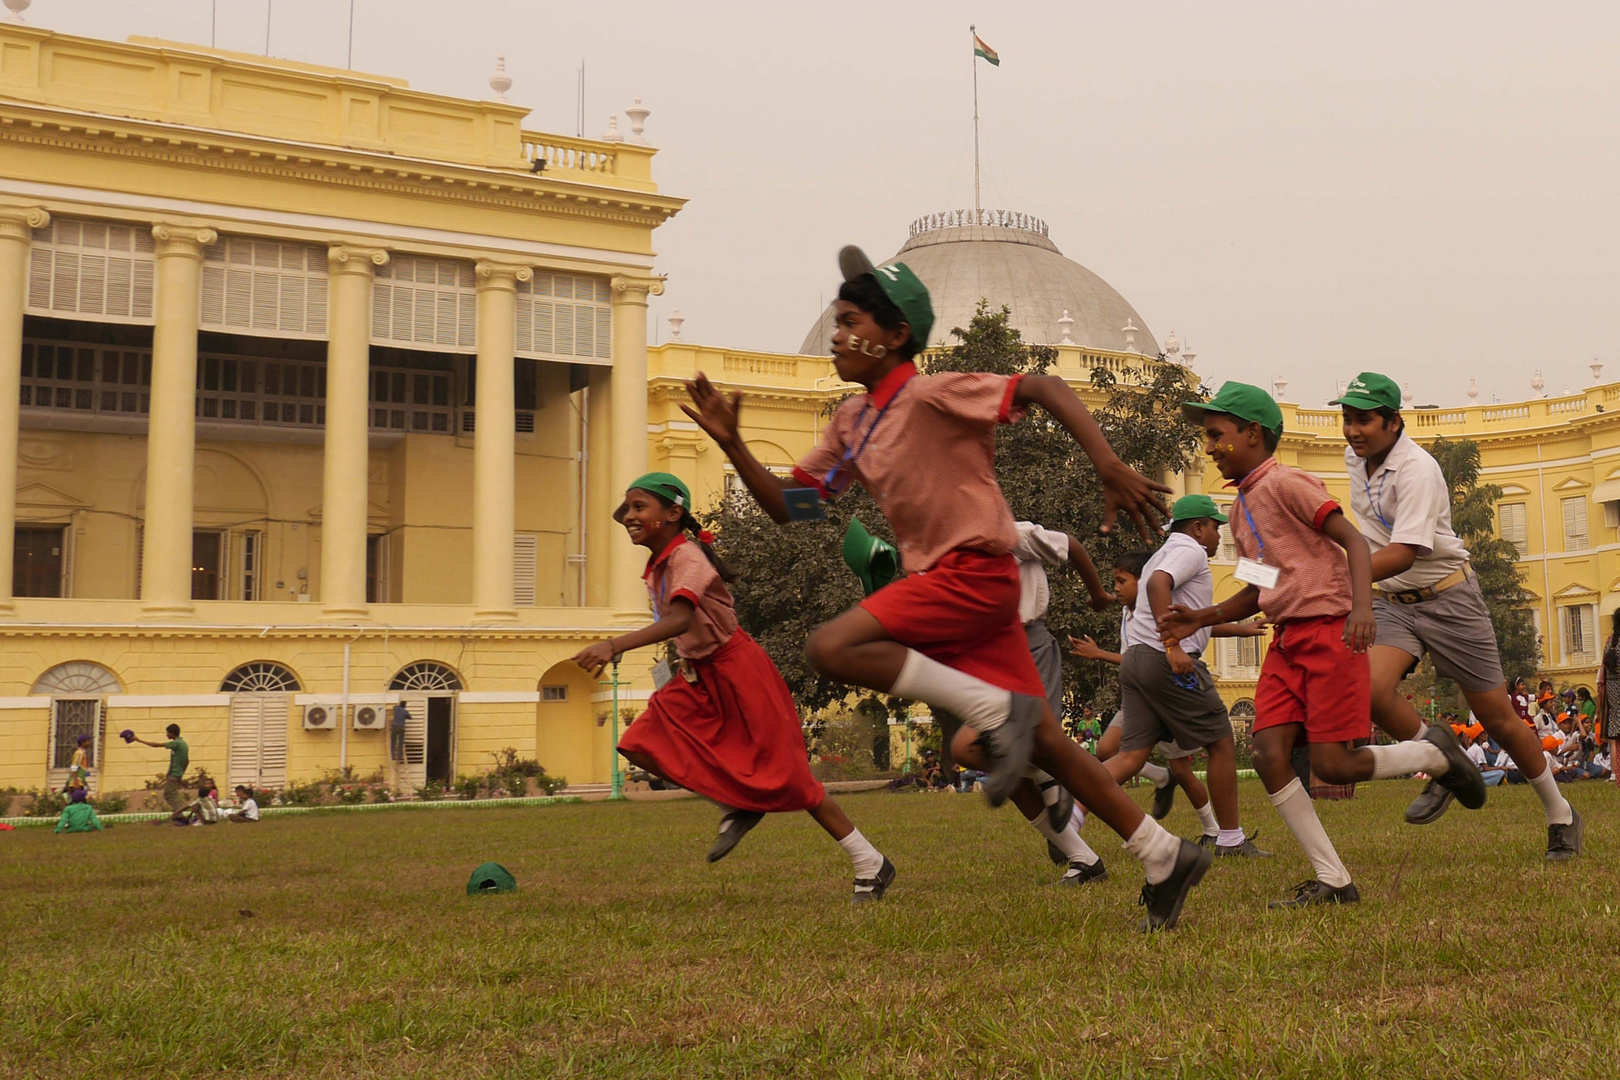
(1428,592)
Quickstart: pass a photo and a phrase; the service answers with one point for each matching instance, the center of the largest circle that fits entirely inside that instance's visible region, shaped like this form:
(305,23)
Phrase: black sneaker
(1205,840)
(1245,850)
(1313,892)
(732,828)
(870,890)
(1431,802)
(1163,901)
(1564,841)
(1163,799)
(1058,813)
(1462,779)
(1008,747)
(1079,873)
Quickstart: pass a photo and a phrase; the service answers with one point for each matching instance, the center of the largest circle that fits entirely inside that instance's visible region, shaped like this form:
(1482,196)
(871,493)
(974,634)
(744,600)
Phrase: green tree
(1473,517)
(793,578)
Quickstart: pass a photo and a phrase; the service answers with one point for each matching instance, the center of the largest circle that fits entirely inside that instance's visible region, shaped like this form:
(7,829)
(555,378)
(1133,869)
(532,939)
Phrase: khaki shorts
(1157,709)
(171,793)
(1455,630)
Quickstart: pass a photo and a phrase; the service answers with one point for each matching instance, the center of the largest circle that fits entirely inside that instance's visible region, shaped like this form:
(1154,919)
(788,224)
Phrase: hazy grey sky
(1300,188)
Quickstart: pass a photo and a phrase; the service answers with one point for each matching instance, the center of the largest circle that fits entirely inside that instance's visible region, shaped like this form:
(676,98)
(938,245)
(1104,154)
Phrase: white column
(17,225)
(346,479)
(494,470)
(600,499)
(626,593)
(171,436)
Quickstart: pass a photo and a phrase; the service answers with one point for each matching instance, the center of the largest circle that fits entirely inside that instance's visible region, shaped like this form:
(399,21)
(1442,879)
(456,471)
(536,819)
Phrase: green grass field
(623,954)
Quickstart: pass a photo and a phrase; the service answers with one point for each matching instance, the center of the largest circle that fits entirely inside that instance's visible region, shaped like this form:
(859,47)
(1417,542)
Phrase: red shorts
(963,612)
(1310,677)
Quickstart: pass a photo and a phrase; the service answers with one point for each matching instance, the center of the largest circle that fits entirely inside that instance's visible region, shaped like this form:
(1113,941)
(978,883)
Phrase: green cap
(874,561)
(665,484)
(903,288)
(1193,507)
(1370,390)
(1240,400)
(491,877)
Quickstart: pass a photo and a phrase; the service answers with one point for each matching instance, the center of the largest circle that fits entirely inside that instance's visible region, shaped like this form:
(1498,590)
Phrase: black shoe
(1564,841)
(1431,802)
(1163,799)
(1057,856)
(1245,850)
(870,890)
(1163,901)
(732,828)
(1313,892)
(1462,779)
(1080,873)
(1058,813)
(1008,748)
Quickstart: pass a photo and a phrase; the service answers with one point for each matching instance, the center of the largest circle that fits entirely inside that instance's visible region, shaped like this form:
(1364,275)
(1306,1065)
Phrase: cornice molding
(19,222)
(331,165)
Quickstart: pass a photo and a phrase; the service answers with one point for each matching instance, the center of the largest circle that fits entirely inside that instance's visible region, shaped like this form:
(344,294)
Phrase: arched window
(1242,709)
(76,689)
(77,678)
(426,676)
(260,677)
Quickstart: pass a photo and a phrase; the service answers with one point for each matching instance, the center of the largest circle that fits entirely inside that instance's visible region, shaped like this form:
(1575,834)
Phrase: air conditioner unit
(318,717)
(369,718)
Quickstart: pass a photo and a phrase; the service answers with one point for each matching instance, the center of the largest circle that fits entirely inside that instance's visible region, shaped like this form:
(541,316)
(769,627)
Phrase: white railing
(999,219)
(573,155)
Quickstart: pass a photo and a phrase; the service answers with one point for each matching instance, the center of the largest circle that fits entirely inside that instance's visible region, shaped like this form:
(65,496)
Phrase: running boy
(1313,683)
(948,634)
(724,724)
(1166,689)
(1428,600)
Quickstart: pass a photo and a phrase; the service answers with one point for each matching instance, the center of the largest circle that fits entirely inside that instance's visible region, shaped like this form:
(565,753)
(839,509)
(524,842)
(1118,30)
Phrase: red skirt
(733,735)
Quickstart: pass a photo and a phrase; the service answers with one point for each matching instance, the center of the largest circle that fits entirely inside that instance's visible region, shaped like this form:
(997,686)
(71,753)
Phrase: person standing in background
(179,758)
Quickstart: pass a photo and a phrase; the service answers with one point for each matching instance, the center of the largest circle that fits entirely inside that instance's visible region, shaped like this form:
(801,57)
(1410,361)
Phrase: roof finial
(676,319)
(1538,383)
(1597,370)
(1129,330)
(1406,393)
(638,114)
(1187,355)
(500,81)
(17,7)
(1172,346)
(1066,324)
(613,130)
(1279,386)
(1473,391)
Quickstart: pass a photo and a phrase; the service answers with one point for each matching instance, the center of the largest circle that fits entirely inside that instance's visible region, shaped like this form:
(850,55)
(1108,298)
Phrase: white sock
(979,705)
(1423,729)
(1156,773)
(1552,800)
(1206,814)
(1405,758)
(1156,848)
(1044,784)
(1229,837)
(1078,818)
(867,859)
(1294,804)
(1068,841)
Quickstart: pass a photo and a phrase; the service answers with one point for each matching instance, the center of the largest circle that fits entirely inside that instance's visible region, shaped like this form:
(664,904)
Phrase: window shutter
(258,741)
(525,569)
(426,303)
(264,287)
(1512,523)
(565,317)
(1575,537)
(92,270)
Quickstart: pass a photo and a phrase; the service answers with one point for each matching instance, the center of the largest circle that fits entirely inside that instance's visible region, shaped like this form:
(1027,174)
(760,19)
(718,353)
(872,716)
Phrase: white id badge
(661,674)
(1257,573)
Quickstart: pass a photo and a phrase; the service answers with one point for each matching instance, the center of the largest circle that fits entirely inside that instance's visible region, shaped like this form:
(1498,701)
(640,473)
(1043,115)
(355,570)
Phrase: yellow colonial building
(316,394)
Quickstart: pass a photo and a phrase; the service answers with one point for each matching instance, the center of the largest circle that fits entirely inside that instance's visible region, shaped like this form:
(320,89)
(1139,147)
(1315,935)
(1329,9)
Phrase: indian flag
(981,49)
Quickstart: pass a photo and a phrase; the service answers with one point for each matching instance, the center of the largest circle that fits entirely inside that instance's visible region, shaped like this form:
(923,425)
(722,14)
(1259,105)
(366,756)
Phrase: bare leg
(1126,764)
(854,648)
(1027,797)
(830,816)
(1273,756)
(1108,745)
(1390,710)
(1494,709)
(1181,772)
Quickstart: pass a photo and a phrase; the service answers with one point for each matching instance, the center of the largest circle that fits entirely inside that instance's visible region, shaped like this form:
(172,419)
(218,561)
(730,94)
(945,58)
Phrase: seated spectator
(1522,701)
(1601,765)
(247,808)
(1587,708)
(1547,724)
(968,779)
(78,815)
(1476,753)
(203,810)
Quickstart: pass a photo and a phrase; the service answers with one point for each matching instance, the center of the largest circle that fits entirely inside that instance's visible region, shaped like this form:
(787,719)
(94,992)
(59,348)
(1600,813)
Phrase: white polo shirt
(1036,549)
(1405,501)
(1191,585)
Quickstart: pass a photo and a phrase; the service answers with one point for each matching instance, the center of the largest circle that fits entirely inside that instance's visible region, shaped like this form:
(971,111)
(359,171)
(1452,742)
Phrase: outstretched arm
(1179,622)
(716,414)
(1080,559)
(596,657)
(1087,649)
(1123,487)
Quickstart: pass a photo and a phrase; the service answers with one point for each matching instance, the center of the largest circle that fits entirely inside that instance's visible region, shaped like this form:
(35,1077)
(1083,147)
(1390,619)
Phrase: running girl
(724,724)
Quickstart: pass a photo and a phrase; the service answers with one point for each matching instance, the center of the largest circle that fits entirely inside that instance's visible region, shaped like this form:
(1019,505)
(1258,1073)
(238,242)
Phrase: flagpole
(974,30)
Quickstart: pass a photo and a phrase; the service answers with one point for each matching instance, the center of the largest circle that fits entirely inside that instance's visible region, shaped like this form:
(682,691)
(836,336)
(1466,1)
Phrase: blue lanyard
(1377,502)
(1260,556)
(853,455)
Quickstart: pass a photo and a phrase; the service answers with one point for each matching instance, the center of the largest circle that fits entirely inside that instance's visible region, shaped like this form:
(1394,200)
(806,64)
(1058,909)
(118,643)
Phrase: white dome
(1007,259)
